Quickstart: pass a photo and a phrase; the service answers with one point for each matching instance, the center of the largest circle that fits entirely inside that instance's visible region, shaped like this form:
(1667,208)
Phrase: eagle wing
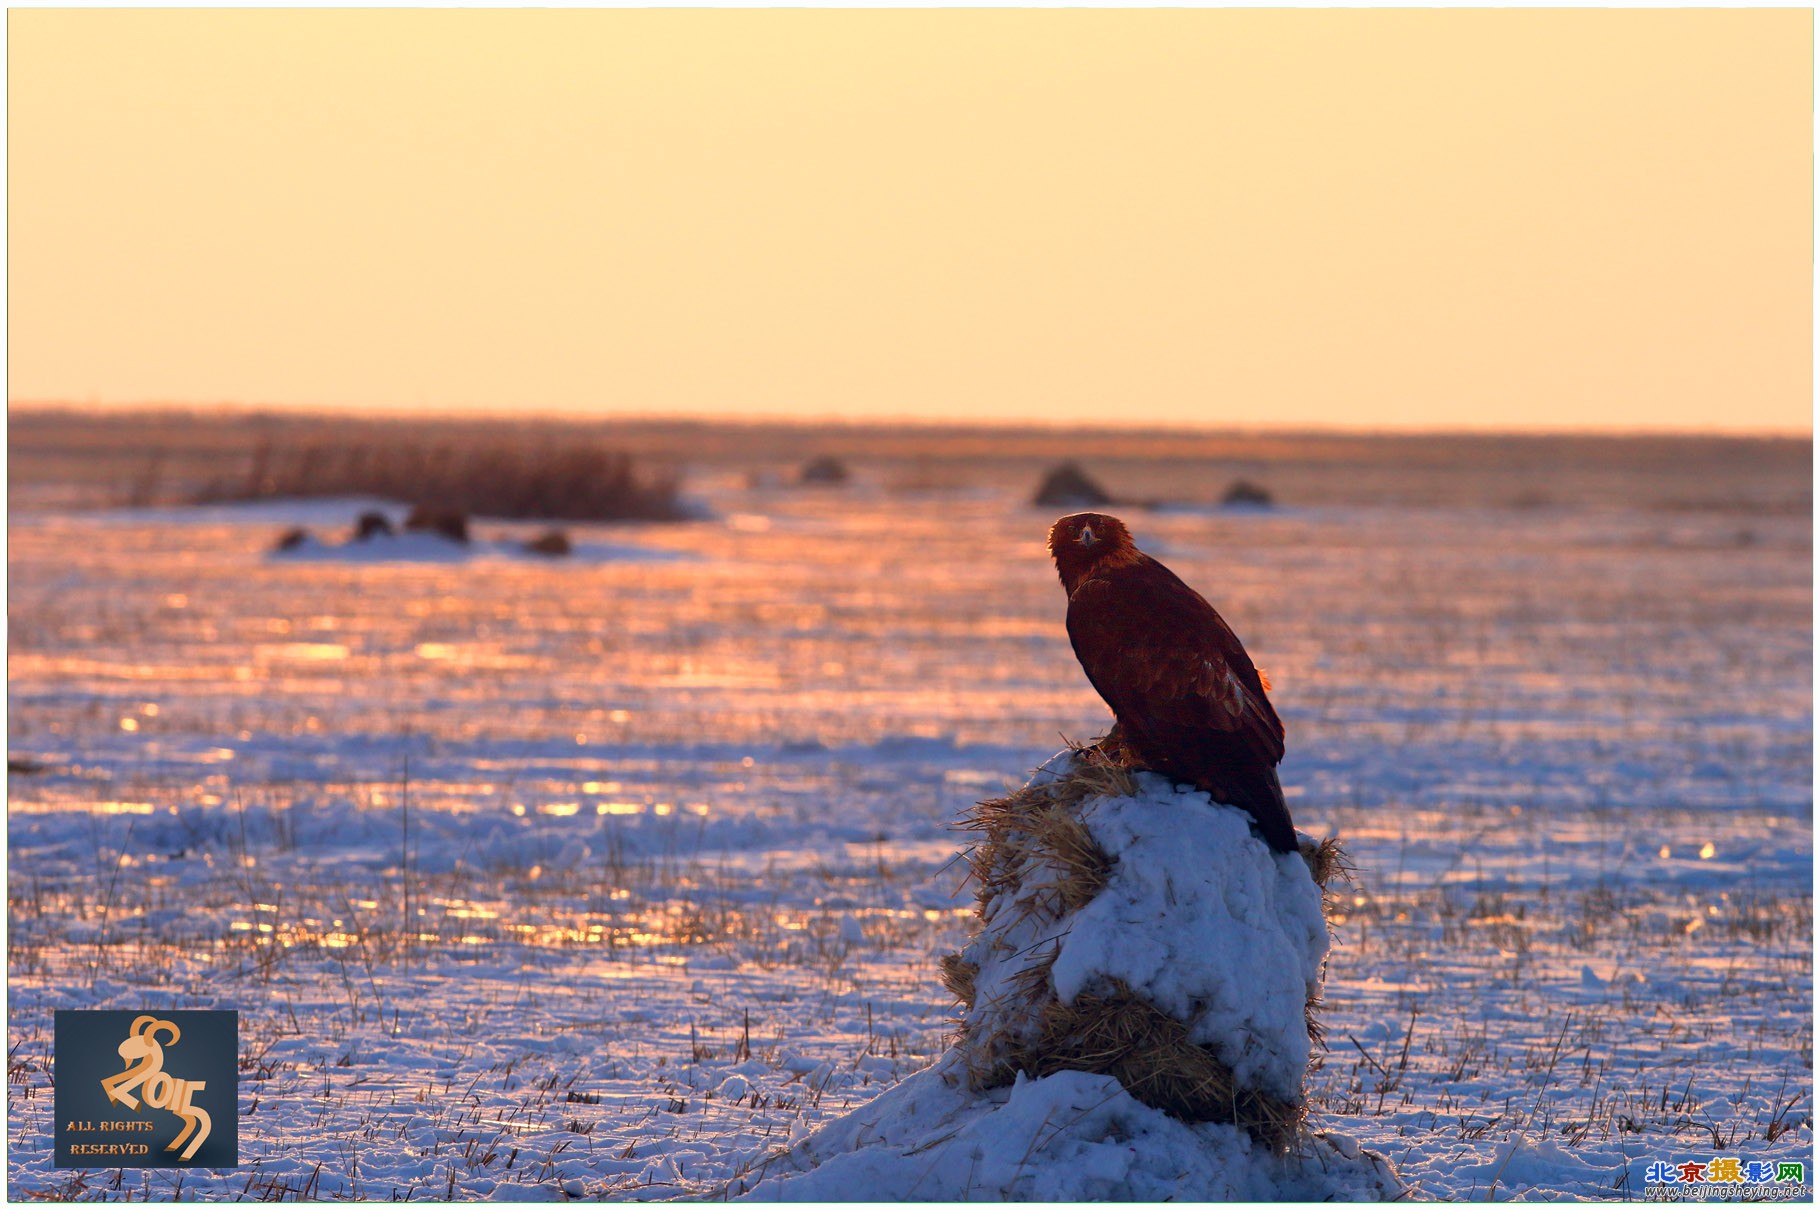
(1168,664)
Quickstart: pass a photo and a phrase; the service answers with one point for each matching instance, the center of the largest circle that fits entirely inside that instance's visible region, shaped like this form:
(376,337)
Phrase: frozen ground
(608,877)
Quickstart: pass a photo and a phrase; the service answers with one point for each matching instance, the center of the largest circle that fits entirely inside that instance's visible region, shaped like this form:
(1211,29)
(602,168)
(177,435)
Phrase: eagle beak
(1087,537)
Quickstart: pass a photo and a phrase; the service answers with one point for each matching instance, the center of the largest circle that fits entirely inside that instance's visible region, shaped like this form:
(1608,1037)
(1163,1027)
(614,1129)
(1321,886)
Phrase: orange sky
(1453,218)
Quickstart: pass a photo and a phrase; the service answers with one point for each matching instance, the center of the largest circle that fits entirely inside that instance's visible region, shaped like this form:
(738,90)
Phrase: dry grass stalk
(1330,866)
(1040,823)
(1317,1031)
(1037,854)
(1328,862)
(993,1034)
(1102,768)
(958,975)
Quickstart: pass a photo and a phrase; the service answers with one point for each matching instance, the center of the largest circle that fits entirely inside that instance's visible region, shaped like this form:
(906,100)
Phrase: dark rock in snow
(371,523)
(1245,494)
(554,543)
(1068,486)
(825,471)
(449,522)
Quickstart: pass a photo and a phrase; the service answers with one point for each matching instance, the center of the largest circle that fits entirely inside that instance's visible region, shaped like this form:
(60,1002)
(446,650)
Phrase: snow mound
(1138,1003)
(1068,1137)
(1190,913)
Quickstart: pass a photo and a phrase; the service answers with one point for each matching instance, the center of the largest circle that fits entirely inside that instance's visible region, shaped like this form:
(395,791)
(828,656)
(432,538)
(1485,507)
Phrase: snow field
(611,878)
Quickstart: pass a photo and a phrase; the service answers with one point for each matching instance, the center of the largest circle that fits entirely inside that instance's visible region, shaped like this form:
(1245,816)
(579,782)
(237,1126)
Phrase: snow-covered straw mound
(1129,929)
(1137,1007)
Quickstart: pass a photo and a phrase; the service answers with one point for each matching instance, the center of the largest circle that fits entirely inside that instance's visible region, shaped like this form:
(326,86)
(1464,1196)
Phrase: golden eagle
(1186,699)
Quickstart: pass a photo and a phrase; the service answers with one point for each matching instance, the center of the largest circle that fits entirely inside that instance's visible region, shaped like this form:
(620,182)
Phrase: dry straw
(1035,857)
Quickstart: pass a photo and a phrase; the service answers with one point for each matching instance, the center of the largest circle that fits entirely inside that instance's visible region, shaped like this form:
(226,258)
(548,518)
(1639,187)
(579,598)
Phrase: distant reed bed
(492,478)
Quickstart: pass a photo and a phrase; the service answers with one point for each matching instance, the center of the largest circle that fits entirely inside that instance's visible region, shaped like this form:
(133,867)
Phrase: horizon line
(895,420)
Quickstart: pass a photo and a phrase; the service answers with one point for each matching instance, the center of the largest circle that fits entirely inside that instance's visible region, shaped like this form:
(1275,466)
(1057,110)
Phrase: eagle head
(1080,541)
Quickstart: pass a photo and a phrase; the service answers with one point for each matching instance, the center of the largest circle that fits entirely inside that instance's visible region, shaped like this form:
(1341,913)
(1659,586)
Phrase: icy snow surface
(612,877)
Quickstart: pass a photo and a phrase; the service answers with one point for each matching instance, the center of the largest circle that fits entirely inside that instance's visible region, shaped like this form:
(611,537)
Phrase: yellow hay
(1122,1035)
(957,976)
(1037,824)
(1328,862)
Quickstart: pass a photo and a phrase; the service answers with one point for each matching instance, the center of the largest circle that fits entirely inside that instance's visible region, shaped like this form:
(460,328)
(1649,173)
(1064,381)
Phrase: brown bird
(1186,699)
